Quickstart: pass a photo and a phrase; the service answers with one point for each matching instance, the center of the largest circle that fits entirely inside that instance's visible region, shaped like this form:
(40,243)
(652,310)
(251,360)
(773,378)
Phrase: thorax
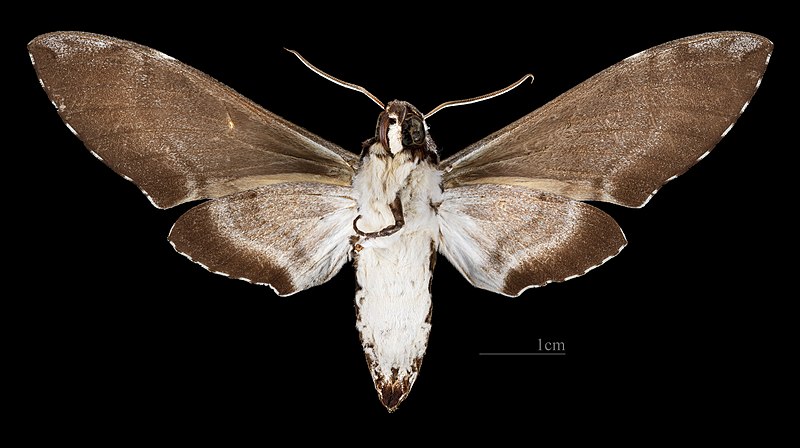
(381,177)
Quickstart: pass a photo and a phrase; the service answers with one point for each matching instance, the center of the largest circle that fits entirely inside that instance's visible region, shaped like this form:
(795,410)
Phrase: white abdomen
(393,300)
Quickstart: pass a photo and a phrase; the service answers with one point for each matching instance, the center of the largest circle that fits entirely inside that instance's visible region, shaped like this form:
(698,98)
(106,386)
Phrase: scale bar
(524,354)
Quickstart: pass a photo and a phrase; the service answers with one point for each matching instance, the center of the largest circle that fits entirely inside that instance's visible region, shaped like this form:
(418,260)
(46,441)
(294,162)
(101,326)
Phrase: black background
(119,331)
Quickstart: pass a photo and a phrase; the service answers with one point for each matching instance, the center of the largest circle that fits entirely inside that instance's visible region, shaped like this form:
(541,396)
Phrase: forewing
(174,131)
(623,133)
(507,239)
(291,236)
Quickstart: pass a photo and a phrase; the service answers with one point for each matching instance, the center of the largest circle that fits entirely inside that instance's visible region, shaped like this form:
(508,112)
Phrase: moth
(286,208)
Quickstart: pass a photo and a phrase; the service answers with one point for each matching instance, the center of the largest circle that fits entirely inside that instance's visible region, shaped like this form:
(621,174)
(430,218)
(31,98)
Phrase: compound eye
(413,131)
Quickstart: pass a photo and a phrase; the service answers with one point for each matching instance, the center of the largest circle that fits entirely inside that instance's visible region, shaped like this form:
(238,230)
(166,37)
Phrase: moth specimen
(286,208)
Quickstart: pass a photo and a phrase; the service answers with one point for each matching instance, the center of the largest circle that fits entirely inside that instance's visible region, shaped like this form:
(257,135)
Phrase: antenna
(479,98)
(336,80)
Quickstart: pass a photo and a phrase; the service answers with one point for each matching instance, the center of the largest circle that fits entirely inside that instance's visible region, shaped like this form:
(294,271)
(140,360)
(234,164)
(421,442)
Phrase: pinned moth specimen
(285,208)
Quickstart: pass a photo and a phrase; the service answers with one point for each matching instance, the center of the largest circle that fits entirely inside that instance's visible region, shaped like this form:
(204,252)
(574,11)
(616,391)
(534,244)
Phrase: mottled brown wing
(506,238)
(290,236)
(175,132)
(623,133)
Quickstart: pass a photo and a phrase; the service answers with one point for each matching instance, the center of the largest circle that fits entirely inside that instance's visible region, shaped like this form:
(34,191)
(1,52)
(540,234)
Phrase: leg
(399,221)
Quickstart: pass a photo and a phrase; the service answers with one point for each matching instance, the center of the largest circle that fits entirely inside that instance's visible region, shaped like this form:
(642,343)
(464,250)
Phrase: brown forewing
(623,133)
(177,133)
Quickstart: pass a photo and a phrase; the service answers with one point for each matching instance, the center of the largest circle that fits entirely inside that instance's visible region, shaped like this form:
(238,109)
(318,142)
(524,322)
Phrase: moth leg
(399,221)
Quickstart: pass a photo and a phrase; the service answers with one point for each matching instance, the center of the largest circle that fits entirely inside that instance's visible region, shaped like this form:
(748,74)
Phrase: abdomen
(393,307)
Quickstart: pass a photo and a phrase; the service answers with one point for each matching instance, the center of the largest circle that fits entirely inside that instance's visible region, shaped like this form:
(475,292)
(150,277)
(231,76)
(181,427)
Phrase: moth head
(402,126)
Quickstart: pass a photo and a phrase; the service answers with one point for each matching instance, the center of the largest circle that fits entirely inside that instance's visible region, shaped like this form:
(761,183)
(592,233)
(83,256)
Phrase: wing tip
(729,34)
(54,40)
(738,44)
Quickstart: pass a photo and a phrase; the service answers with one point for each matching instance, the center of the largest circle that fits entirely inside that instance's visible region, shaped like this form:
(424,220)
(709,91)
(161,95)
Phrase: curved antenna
(478,98)
(336,80)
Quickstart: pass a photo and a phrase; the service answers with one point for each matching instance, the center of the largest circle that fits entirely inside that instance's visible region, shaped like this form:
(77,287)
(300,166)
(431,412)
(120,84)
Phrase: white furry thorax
(381,176)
